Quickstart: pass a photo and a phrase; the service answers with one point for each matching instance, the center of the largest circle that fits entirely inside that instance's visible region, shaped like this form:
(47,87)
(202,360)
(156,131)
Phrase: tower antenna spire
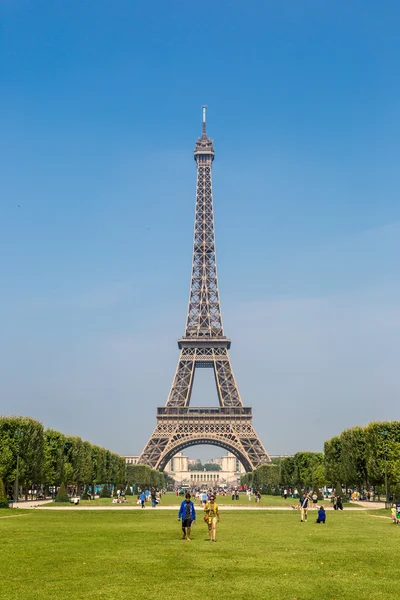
(204,118)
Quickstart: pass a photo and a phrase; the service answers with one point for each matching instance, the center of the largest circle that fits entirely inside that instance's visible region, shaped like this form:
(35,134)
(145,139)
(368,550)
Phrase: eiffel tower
(204,345)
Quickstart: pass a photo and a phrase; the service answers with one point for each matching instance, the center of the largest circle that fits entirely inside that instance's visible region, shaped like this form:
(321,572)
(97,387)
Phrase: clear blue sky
(99,111)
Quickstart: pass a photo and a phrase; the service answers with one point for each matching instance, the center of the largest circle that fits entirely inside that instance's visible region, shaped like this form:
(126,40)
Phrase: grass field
(272,555)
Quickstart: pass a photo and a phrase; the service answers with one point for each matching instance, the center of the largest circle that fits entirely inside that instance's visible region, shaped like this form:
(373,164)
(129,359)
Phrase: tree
(353,462)
(287,472)
(247,479)
(62,494)
(22,442)
(3,496)
(105,492)
(333,463)
(139,475)
(53,457)
(266,477)
(361,455)
(212,467)
(381,444)
(197,466)
(308,470)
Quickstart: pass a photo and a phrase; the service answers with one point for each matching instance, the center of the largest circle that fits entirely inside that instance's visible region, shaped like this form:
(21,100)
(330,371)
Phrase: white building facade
(178,468)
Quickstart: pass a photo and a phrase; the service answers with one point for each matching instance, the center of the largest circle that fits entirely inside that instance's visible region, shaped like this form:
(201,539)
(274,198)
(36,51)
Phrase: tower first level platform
(227,427)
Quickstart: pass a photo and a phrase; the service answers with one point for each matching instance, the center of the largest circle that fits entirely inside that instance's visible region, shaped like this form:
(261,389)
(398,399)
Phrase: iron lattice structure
(204,345)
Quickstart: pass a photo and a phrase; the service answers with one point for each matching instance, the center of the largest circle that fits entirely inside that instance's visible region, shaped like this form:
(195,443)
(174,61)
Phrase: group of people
(257,495)
(395,510)
(187,514)
(154,495)
(337,502)
(304,505)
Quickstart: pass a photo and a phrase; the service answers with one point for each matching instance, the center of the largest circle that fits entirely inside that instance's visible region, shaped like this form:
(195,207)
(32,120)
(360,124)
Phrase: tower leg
(226,384)
(182,384)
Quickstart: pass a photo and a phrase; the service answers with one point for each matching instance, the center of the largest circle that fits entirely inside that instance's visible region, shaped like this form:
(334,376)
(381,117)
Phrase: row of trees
(364,456)
(303,470)
(45,457)
(142,476)
(206,467)
(359,457)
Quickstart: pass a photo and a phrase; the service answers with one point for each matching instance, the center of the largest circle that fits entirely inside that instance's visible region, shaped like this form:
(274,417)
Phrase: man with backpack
(188,514)
(304,502)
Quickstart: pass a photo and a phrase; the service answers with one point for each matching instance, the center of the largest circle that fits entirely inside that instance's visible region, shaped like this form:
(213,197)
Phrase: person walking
(211,517)
(153,497)
(188,515)
(304,502)
(394,514)
(285,493)
(142,498)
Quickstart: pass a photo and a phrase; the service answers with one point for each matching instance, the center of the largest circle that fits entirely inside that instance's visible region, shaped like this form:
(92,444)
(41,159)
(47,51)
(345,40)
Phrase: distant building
(178,469)
(230,473)
(131,460)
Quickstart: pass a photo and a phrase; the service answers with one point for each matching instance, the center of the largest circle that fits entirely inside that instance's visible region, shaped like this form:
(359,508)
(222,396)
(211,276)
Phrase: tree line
(361,457)
(358,458)
(206,467)
(46,458)
(303,470)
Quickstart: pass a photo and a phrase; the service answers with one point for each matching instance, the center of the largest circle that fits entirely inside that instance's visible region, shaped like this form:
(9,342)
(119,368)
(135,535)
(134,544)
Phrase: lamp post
(385,434)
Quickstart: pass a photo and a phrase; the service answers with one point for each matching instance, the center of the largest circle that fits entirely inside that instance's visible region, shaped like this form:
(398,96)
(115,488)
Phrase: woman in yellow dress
(211,517)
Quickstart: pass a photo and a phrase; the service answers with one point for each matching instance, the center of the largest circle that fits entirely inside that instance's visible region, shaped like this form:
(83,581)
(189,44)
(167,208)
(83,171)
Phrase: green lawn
(113,554)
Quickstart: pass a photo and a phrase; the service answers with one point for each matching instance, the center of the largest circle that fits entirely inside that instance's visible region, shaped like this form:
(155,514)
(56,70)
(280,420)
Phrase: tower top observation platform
(204,146)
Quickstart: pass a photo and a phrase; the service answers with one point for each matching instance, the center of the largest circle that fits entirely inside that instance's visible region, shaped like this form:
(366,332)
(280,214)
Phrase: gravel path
(43,504)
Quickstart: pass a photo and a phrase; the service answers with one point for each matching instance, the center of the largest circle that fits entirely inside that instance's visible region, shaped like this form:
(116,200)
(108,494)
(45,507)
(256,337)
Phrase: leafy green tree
(198,466)
(266,477)
(353,466)
(86,474)
(393,462)
(287,471)
(120,471)
(139,475)
(8,448)
(22,438)
(333,462)
(308,470)
(62,494)
(212,467)
(105,492)
(3,497)
(359,456)
(53,457)
(168,481)
(381,442)
(100,474)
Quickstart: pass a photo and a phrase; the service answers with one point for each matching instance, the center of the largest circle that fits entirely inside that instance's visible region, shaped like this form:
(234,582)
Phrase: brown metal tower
(204,345)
